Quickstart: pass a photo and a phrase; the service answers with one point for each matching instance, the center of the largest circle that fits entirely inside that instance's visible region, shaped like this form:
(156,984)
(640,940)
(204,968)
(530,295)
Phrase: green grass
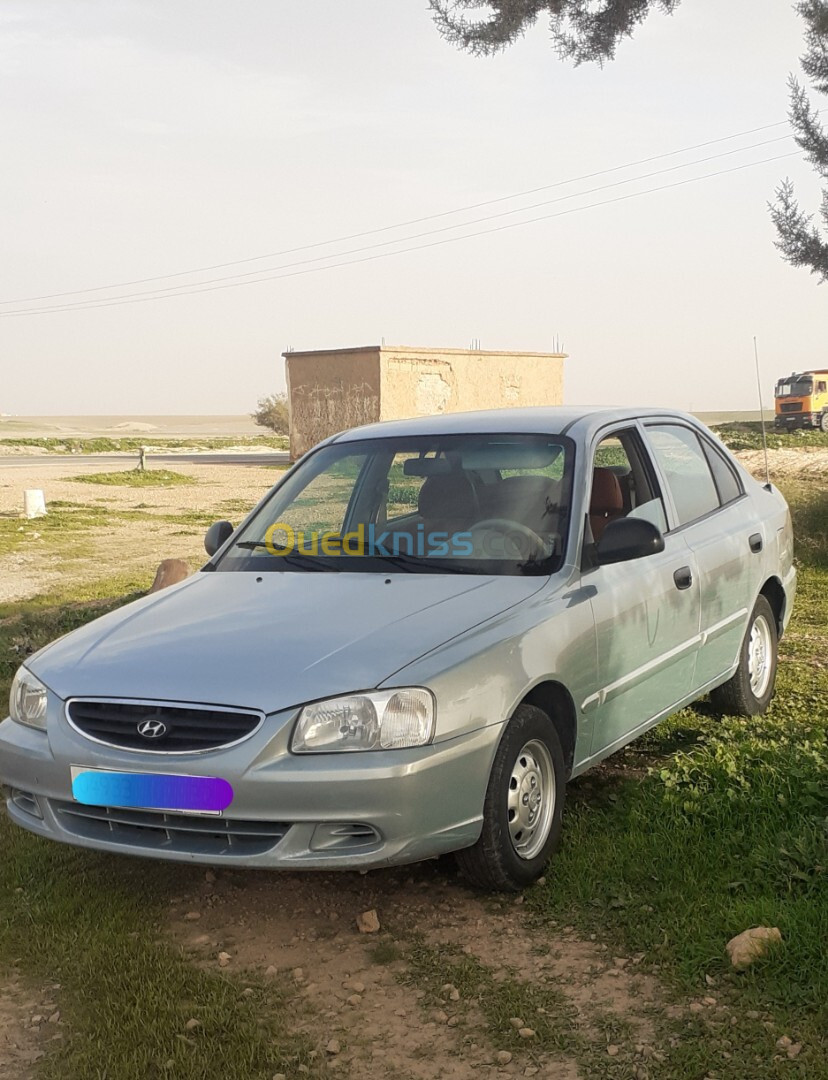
(136,478)
(748,436)
(728,830)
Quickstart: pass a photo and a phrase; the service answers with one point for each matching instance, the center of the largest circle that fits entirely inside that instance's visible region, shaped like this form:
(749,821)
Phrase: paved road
(125,461)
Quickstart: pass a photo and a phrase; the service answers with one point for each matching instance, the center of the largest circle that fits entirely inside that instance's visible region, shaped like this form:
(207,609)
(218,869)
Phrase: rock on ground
(751,945)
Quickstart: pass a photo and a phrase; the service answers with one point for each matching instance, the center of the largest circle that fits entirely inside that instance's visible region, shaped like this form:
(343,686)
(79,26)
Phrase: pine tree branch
(798,239)
(582,30)
(815,60)
(808,129)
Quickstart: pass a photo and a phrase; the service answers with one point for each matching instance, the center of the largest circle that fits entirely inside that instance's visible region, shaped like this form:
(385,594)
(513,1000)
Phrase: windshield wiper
(291,558)
(413,563)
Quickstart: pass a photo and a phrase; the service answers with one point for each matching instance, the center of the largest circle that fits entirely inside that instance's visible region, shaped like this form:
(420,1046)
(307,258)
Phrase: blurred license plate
(174,793)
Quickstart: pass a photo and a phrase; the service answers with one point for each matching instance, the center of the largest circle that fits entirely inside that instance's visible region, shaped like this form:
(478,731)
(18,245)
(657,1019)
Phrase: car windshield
(478,504)
(795,388)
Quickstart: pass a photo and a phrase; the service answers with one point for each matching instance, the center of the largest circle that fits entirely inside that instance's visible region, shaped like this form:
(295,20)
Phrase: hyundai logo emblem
(152,729)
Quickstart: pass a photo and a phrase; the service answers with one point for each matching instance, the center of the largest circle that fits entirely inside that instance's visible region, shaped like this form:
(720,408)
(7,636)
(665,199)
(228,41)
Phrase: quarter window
(727,485)
(679,452)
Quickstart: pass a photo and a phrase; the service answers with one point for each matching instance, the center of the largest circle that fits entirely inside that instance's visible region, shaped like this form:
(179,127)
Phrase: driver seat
(606,503)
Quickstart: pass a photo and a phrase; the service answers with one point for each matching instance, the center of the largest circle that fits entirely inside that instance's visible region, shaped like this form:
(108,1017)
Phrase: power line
(89,305)
(175,289)
(399,225)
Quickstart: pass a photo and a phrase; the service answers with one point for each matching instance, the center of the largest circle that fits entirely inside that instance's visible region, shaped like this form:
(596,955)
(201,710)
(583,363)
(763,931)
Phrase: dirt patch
(786,464)
(591,979)
(357,992)
(29,1023)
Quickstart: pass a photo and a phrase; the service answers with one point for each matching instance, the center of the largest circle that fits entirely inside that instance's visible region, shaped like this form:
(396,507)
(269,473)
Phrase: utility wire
(173,289)
(88,305)
(398,225)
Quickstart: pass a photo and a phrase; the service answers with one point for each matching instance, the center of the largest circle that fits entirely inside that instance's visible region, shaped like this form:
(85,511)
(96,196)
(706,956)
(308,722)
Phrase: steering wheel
(517,541)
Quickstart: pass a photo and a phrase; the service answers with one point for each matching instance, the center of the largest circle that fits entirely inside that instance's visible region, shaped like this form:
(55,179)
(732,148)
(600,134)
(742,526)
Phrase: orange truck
(802,401)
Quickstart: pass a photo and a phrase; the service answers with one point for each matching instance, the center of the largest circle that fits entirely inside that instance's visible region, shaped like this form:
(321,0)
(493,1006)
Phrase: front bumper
(326,811)
(797,420)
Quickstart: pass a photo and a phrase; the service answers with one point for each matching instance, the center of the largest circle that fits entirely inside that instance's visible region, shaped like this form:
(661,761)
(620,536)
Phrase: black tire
(494,863)
(738,697)
(823,422)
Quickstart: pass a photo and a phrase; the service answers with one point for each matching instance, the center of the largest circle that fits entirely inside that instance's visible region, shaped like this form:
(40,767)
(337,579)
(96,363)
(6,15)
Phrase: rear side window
(683,461)
(727,483)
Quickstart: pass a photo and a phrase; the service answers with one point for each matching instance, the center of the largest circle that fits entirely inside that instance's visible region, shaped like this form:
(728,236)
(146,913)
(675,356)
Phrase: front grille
(170,729)
(206,836)
(791,406)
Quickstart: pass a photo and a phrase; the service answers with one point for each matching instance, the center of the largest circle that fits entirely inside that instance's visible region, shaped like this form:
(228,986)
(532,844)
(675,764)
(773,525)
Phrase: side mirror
(628,538)
(217,535)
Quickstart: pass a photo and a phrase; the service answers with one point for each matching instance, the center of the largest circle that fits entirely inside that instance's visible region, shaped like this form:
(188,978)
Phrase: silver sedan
(421,633)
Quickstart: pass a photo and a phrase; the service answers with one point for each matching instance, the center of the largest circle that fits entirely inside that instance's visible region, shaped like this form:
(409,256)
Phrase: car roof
(556,420)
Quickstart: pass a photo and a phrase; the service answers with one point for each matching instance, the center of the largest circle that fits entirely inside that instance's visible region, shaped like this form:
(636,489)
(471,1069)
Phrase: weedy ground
(136,478)
(615,962)
(132,444)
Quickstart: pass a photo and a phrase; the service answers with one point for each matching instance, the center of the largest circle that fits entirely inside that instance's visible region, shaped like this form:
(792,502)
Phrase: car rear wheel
(749,691)
(523,807)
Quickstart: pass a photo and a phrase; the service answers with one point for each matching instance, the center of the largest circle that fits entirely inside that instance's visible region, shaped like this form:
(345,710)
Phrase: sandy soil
(223,491)
(29,1021)
(785,464)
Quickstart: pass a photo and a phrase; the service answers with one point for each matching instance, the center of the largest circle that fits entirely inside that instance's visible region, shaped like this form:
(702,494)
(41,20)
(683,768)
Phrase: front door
(646,611)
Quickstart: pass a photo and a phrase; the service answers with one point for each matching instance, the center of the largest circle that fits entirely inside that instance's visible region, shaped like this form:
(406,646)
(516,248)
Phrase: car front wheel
(523,807)
(749,691)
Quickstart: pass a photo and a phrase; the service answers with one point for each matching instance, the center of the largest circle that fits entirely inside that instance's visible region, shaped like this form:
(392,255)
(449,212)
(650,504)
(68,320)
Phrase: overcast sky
(148,137)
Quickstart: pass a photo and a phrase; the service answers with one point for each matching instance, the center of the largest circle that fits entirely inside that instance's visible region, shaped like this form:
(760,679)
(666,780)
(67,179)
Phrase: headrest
(449,496)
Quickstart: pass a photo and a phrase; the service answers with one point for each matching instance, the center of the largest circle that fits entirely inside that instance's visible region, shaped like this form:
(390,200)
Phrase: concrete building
(333,389)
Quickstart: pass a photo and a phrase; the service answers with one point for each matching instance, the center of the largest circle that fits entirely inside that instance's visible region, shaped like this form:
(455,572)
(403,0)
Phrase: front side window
(485,504)
(622,484)
(683,462)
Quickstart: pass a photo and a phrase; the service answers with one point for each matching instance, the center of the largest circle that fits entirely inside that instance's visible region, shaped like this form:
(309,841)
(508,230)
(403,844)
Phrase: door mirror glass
(218,533)
(628,538)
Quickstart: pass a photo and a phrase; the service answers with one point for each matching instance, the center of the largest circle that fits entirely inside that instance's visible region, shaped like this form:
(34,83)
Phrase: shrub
(273,412)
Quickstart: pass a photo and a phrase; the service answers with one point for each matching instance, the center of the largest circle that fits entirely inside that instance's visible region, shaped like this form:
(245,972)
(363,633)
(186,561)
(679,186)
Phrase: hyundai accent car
(410,646)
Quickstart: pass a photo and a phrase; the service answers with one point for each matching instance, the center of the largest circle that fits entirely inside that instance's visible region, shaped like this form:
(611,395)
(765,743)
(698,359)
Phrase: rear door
(721,527)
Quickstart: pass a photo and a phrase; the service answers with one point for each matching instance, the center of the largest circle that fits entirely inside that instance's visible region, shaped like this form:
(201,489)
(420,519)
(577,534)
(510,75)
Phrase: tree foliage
(582,30)
(801,241)
(273,412)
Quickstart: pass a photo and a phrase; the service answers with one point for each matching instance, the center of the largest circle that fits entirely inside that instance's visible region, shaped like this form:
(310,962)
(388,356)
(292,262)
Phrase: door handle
(756,543)
(683,577)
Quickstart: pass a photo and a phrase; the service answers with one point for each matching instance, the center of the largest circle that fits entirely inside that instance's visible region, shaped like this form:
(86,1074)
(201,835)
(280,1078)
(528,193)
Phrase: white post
(34,504)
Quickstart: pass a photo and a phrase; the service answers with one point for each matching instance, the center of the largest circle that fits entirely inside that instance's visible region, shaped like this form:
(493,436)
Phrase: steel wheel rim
(531,799)
(760,653)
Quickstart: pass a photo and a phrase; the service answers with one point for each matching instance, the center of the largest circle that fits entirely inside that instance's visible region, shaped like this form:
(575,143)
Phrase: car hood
(274,640)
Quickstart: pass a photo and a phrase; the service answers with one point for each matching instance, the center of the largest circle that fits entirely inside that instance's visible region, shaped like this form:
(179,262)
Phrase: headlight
(27,700)
(386,720)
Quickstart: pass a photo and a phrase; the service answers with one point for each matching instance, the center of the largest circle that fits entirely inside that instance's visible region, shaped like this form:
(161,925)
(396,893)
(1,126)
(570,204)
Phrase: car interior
(622,485)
